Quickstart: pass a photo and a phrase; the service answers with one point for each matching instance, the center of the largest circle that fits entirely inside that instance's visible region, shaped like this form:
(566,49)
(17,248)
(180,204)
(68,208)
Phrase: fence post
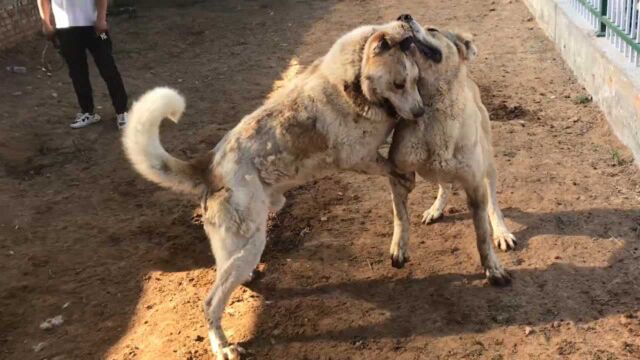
(602,31)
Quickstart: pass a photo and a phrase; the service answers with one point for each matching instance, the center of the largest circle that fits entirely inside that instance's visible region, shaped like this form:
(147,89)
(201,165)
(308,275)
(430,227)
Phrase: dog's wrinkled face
(389,73)
(455,49)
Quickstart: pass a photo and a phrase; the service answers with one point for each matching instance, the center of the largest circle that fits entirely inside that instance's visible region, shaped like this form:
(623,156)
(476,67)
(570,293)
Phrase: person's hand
(49,30)
(101,26)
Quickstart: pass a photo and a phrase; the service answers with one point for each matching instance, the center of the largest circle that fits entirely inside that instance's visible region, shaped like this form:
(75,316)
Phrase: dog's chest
(356,140)
(439,141)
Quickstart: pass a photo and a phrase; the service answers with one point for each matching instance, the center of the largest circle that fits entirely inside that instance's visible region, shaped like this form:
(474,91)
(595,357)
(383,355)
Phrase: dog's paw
(432,215)
(256,274)
(231,352)
(253,276)
(504,240)
(498,276)
(399,258)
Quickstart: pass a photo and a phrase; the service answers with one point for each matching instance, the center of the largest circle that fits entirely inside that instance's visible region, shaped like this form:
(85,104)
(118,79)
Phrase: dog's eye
(433,29)
(399,85)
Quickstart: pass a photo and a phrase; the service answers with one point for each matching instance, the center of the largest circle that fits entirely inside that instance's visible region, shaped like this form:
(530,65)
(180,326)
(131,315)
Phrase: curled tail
(141,141)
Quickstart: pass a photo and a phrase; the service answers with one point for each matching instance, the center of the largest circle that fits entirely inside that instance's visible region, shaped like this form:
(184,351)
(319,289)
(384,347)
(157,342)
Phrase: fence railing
(617,20)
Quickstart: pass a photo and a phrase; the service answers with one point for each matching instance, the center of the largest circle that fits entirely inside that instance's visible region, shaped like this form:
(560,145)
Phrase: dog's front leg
(502,237)
(437,209)
(400,189)
(401,185)
(477,200)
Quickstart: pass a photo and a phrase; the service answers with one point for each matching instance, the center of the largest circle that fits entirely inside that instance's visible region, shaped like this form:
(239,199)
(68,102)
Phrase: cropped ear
(464,44)
(380,43)
(466,40)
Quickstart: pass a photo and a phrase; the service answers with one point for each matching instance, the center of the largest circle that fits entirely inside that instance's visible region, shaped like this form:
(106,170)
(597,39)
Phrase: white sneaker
(122,120)
(84,119)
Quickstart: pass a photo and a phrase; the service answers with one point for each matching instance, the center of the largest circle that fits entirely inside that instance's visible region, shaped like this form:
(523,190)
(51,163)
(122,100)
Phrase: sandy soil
(83,236)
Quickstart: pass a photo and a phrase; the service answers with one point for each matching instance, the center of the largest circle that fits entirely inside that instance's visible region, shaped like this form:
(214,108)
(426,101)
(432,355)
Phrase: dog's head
(454,49)
(389,73)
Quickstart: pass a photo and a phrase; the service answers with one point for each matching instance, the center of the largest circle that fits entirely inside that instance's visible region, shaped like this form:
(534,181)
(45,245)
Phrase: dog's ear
(464,44)
(429,50)
(380,43)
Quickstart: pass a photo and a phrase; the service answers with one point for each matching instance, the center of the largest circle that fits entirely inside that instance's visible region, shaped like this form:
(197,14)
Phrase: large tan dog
(451,142)
(333,116)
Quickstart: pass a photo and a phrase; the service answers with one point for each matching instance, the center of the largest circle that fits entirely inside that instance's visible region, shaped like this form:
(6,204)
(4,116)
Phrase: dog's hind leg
(477,200)
(237,231)
(233,272)
(276,204)
(400,189)
(437,208)
(502,237)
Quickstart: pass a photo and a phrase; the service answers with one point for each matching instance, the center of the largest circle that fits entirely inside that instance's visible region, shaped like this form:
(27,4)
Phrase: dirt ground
(83,236)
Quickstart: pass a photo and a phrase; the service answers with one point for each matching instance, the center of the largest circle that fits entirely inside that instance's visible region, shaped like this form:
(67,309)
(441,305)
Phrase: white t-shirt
(69,13)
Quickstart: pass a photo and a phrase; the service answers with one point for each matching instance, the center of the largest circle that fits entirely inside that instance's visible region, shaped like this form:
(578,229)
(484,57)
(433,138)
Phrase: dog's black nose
(405,18)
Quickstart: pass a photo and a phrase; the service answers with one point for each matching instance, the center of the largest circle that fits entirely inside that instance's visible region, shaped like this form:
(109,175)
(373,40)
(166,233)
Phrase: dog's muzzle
(430,51)
(406,18)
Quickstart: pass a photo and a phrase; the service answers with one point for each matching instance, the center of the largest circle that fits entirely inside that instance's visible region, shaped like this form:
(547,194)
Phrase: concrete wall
(613,82)
(19,20)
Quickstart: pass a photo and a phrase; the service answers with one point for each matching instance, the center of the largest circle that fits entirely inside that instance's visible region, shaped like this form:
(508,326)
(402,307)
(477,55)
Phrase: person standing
(78,26)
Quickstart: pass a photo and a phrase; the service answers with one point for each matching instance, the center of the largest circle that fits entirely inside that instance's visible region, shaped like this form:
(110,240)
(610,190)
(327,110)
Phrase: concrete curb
(612,81)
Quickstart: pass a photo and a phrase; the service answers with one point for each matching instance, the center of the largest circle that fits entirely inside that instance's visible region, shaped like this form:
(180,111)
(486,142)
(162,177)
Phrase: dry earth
(83,236)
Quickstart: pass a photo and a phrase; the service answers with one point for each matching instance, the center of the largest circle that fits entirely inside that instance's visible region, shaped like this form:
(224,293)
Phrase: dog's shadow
(445,304)
(597,223)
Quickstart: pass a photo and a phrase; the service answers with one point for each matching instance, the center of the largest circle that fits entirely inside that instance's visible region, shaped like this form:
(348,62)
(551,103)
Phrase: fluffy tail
(141,140)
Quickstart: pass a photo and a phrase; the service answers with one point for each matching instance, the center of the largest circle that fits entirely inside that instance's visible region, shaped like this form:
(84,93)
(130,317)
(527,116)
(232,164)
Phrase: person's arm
(48,23)
(101,19)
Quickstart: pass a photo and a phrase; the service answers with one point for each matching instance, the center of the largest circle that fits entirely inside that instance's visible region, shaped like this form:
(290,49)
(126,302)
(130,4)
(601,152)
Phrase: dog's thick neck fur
(348,78)
(363,106)
(436,92)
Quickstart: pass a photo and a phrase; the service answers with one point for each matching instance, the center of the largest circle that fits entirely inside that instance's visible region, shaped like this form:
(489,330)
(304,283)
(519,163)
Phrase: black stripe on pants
(74,43)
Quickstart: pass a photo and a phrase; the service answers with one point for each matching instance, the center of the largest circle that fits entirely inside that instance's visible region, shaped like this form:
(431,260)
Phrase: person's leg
(100,48)
(73,48)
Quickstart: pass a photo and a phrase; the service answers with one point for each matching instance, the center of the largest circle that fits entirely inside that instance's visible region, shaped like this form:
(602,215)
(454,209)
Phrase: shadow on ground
(457,303)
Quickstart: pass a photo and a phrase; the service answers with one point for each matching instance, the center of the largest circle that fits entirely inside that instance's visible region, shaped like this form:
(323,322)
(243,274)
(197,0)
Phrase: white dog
(451,142)
(333,116)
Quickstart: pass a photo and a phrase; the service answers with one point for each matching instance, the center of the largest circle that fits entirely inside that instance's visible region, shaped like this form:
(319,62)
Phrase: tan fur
(332,116)
(451,142)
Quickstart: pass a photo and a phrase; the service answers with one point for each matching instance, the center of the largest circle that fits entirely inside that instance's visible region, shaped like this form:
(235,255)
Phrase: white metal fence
(617,20)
